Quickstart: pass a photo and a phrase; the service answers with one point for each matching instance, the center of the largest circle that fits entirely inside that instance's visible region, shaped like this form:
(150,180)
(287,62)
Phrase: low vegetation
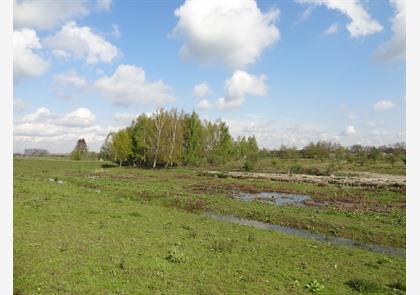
(103,229)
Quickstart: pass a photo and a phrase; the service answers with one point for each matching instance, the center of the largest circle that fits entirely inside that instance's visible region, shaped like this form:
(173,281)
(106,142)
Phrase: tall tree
(193,139)
(159,119)
(80,151)
(121,146)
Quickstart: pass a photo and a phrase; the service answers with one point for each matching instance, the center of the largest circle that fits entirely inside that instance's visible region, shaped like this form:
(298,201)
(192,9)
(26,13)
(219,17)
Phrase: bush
(314,286)
(249,165)
(363,285)
(221,245)
(175,255)
(398,286)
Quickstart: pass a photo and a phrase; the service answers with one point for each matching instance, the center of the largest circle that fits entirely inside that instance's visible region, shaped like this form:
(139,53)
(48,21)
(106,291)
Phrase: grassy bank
(89,228)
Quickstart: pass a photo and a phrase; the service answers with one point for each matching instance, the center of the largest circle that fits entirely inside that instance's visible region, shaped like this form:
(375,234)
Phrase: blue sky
(288,72)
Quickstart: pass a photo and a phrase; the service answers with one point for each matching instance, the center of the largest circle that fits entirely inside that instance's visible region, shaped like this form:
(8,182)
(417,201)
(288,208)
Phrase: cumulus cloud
(103,4)
(334,28)
(26,58)
(273,134)
(362,24)
(128,86)
(47,14)
(69,85)
(383,105)
(394,48)
(204,104)
(58,132)
(233,32)
(124,117)
(202,89)
(78,117)
(19,104)
(81,42)
(350,130)
(238,86)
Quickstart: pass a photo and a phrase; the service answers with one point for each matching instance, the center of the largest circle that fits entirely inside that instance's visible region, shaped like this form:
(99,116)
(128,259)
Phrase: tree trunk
(120,163)
(172,144)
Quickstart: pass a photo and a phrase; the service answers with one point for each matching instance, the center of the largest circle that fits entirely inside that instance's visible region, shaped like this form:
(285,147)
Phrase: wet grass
(143,233)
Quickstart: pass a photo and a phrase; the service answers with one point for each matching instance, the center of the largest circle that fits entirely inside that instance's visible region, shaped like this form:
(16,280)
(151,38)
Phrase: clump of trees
(174,138)
(81,151)
(36,152)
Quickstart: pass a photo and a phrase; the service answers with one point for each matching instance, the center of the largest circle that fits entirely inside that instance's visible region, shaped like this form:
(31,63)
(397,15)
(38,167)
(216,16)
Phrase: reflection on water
(276,198)
(309,235)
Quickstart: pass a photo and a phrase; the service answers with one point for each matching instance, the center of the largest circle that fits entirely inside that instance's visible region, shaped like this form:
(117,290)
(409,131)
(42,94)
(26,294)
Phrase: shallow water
(309,235)
(275,198)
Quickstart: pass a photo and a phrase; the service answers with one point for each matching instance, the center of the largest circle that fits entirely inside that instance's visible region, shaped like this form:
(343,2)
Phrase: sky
(288,72)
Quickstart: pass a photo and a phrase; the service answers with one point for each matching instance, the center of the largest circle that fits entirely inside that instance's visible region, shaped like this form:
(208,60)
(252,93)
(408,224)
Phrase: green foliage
(121,243)
(314,286)
(398,285)
(121,146)
(193,139)
(363,285)
(175,255)
(221,245)
(80,151)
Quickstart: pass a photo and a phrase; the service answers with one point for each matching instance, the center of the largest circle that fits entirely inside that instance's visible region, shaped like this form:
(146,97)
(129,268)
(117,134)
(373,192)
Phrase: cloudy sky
(289,72)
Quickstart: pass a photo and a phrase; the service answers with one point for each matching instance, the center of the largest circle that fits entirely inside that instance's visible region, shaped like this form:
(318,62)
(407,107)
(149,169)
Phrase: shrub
(314,286)
(222,245)
(175,255)
(363,285)
(398,285)
(249,165)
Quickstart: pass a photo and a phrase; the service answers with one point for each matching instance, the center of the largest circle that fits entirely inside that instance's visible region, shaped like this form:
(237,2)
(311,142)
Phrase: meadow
(90,227)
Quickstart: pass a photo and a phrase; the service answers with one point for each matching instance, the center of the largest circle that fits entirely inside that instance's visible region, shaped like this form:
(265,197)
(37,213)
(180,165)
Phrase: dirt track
(362,179)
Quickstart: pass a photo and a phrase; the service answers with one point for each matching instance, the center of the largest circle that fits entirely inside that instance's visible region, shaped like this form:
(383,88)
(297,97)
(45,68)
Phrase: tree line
(175,138)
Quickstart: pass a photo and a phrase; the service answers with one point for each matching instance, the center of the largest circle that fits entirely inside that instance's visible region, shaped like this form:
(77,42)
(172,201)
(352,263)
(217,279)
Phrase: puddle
(275,198)
(309,235)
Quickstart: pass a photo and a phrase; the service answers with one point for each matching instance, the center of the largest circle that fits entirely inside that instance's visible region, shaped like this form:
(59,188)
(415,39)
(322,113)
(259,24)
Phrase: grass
(136,231)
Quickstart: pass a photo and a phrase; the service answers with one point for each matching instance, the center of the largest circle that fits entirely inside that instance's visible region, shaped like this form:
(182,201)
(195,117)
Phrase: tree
(121,146)
(106,148)
(193,139)
(80,151)
(159,119)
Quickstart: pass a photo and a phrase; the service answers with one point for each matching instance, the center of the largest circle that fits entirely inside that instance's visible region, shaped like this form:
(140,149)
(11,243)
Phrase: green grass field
(111,230)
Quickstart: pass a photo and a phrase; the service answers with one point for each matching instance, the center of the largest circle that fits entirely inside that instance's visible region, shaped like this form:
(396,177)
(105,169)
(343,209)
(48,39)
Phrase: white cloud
(202,89)
(124,117)
(19,104)
(69,85)
(116,31)
(383,105)
(273,134)
(204,104)
(79,117)
(238,86)
(47,14)
(128,86)
(82,43)
(350,130)
(233,32)
(41,114)
(26,59)
(305,14)
(362,24)
(334,28)
(57,132)
(103,4)
(394,48)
